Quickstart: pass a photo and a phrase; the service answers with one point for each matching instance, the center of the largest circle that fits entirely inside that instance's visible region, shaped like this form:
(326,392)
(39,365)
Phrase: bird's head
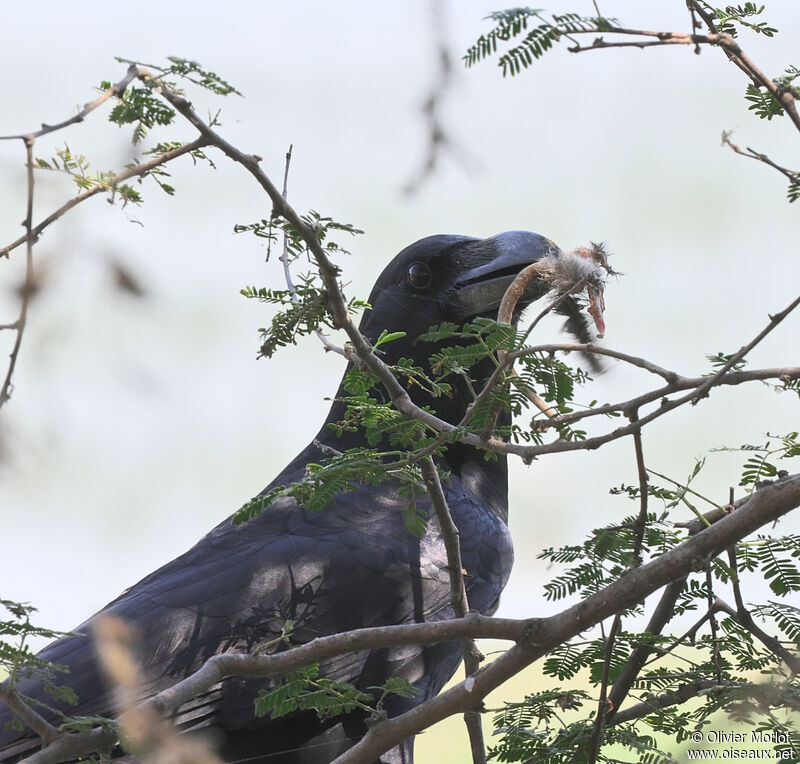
(450,278)
(447,278)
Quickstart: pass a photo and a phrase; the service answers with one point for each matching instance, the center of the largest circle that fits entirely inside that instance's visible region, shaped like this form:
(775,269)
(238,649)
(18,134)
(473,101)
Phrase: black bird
(348,566)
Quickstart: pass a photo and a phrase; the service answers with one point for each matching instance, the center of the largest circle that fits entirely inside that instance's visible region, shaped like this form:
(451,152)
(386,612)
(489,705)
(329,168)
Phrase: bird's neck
(486,479)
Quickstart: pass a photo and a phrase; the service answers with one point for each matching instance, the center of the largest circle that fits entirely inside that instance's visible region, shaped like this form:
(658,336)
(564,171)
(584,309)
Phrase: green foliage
(777,560)
(305,311)
(730,17)
(19,662)
(762,102)
(482,339)
(606,554)
(766,106)
(793,193)
(743,678)
(293,238)
(718,360)
(305,308)
(785,616)
(511,24)
(478,339)
(194,73)
(138,106)
(184,69)
(15,631)
(304,690)
(345,472)
(77,167)
(762,466)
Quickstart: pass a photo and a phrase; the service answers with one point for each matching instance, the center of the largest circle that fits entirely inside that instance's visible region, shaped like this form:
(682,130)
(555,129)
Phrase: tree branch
(458,596)
(762,507)
(534,637)
(115,90)
(656,703)
(27,715)
(605,708)
(28,287)
(121,177)
(745,620)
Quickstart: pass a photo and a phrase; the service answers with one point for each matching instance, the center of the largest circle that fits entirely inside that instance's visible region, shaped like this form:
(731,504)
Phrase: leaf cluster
(542,36)
(77,167)
(19,662)
(729,18)
(293,240)
(304,310)
(746,680)
(304,690)
(762,465)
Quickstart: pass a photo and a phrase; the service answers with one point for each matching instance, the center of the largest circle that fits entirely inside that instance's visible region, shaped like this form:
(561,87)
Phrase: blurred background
(141,418)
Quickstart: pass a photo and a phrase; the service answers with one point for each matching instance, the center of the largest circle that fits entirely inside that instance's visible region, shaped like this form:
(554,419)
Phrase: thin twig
(602,704)
(535,637)
(712,622)
(287,274)
(115,90)
(681,383)
(605,707)
(27,715)
(784,96)
(640,524)
(549,632)
(702,391)
(28,287)
(458,596)
(745,620)
(689,635)
(126,174)
(792,175)
(675,697)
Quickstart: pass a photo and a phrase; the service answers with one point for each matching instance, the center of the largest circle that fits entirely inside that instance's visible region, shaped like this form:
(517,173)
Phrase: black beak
(480,290)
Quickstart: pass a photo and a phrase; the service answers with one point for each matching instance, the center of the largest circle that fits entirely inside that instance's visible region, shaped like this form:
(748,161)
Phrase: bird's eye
(419,276)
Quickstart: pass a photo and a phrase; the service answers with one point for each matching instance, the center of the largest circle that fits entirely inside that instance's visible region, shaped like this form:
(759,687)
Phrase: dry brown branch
(656,703)
(144,732)
(745,620)
(438,138)
(115,90)
(534,637)
(764,506)
(661,616)
(681,383)
(458,597)
(605,707)
(714,38)
(28,288)
(106,187)
(27,715)
(792,175)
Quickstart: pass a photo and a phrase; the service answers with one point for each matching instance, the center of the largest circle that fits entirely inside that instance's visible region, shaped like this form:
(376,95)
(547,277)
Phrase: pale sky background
(137,425)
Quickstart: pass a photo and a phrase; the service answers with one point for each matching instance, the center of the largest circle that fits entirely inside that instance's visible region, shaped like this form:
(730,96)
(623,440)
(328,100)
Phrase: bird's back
(238,586)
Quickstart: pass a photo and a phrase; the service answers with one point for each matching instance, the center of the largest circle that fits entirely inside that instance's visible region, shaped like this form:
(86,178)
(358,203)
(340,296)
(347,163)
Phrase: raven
(348,566)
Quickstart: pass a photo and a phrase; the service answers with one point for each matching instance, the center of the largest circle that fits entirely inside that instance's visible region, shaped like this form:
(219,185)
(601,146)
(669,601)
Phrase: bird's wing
(348,566)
